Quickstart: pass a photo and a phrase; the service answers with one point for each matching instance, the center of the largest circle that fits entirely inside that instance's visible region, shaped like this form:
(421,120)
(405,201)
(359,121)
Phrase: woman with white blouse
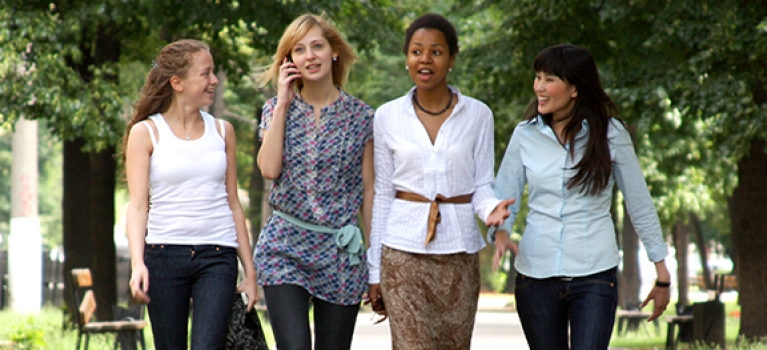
(434,173)
(570,151)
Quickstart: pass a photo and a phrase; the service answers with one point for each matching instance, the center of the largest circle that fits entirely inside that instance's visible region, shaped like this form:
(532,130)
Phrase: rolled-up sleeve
(384,195)
(484,199)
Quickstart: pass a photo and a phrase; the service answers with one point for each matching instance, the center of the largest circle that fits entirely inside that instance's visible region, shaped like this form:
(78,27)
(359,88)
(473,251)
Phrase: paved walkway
(492,330)
(497,326)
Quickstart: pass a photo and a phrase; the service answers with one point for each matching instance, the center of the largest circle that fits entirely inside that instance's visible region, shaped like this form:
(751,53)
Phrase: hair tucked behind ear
(576,66)
(174,59)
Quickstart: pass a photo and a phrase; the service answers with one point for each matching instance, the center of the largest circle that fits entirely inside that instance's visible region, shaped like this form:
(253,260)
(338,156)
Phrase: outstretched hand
(500,213)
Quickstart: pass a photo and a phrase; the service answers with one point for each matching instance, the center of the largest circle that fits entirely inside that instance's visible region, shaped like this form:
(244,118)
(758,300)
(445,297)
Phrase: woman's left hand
(250,288)
(500,213)
(660,297)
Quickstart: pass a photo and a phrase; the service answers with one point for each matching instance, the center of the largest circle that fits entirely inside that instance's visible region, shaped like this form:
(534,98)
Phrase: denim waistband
(195,247)
(611,271)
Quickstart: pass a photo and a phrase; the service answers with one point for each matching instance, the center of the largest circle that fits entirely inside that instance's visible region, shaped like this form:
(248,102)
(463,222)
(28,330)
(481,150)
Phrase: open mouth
(425,73)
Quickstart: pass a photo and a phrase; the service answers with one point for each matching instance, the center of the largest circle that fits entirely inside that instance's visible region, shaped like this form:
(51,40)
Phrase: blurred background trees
(689,76)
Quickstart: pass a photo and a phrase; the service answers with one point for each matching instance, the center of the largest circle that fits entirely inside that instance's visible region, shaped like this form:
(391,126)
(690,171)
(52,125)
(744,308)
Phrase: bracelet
(662,284)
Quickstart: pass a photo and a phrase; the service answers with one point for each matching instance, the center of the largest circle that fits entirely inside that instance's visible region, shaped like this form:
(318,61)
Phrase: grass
(45,331)
(645,338)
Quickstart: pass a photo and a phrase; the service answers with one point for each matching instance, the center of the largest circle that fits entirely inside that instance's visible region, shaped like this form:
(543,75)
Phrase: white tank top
(188,202)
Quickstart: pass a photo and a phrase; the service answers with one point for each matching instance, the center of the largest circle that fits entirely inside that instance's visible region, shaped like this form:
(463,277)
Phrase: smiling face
(555,96)
(313,56)
(199,85)
(429,58)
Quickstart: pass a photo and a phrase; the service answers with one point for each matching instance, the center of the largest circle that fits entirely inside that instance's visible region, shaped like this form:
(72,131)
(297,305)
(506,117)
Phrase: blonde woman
(317,147)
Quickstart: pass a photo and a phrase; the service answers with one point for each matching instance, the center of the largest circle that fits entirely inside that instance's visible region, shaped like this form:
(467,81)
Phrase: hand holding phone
(292,65)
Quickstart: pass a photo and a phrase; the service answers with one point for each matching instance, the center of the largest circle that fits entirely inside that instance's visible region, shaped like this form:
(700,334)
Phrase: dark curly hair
(433,21)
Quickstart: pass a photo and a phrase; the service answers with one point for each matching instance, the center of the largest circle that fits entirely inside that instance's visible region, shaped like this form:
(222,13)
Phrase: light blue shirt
(568,232)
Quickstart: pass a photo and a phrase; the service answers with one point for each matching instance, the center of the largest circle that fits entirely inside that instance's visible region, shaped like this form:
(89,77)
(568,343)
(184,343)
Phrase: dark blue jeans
(587,304)
(206,274)
(288,307)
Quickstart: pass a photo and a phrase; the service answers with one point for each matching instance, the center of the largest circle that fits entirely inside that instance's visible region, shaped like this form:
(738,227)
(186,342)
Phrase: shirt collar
(541,124)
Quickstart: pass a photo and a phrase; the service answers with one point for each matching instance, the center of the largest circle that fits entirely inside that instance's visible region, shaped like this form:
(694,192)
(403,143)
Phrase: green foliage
(27,336)
(686,75)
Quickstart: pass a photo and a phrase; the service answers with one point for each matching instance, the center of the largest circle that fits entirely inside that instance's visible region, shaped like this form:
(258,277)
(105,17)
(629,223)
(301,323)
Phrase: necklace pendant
(187,137)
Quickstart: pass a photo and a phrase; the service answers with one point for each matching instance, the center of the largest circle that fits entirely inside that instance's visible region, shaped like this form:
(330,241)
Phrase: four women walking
(382,202)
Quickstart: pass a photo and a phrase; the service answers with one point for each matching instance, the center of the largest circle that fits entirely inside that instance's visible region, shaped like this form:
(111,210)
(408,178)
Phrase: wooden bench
(673,339)
(83,296)
(631,319)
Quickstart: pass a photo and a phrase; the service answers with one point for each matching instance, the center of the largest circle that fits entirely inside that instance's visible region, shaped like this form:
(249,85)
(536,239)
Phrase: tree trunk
(219,103)
(732,251)
(102,221)
(700,242)
(76,181)
(89,184)
(631,280)
(750,228)
(681,242)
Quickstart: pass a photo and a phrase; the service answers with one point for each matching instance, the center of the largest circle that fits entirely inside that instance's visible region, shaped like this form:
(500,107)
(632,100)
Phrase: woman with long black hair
(571,151)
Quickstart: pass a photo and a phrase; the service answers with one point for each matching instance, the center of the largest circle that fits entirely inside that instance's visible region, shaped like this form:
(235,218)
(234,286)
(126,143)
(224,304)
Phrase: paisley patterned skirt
(431,299)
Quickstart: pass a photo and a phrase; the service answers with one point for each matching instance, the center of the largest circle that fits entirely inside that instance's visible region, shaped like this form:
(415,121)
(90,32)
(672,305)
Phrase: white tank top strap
(163,129)
(151,132)
(223,129)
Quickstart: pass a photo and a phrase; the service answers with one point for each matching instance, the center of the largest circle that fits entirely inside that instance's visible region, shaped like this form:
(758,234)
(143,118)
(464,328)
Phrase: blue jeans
(587,304)
(206,274)
(288,307)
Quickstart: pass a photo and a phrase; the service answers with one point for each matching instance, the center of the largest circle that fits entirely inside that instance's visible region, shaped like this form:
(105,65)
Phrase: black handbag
(245,331)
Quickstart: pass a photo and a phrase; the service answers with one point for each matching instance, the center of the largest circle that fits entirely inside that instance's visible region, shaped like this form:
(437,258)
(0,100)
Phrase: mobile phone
(290,60)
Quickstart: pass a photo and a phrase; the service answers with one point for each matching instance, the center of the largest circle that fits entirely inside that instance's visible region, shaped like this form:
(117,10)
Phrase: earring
(335,58)
(407,68)
(450,69)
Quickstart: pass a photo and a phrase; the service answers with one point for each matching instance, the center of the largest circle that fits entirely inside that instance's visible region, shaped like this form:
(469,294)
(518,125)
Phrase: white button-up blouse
(459,162)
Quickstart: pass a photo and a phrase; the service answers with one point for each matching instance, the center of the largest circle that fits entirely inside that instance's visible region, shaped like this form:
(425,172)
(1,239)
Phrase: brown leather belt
(434,214)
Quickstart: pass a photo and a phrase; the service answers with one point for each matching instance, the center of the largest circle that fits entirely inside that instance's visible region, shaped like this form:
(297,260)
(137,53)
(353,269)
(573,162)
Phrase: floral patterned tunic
(320,183)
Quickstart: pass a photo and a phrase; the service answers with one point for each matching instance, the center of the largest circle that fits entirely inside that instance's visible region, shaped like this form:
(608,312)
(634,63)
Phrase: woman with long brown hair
(185,225)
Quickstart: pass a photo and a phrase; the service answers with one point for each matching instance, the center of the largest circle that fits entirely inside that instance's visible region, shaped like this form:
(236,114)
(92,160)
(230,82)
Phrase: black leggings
(288,307)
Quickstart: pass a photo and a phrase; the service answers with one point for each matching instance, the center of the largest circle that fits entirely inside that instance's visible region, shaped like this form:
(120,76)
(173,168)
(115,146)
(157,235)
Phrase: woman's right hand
(502,243)
(374,293)
(288,74)
(139,283)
